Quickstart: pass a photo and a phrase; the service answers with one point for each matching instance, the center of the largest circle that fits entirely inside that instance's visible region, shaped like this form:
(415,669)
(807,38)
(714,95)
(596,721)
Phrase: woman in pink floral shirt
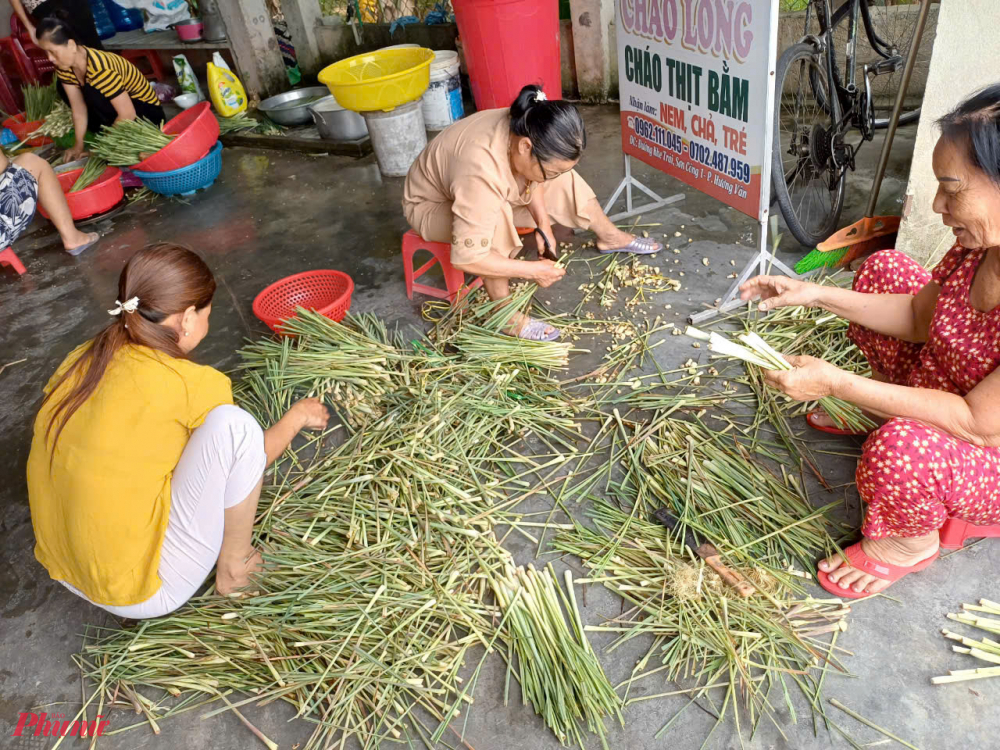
(930,475)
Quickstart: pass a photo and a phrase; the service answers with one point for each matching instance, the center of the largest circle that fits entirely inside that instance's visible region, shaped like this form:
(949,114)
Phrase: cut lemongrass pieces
(722,345)
(758,344)
(696,333)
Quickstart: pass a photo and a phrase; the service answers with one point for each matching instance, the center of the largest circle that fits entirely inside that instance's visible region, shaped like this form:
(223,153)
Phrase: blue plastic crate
(186,180)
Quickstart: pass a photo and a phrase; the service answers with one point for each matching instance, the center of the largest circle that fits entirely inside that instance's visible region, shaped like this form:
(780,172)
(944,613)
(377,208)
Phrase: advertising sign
(695,85)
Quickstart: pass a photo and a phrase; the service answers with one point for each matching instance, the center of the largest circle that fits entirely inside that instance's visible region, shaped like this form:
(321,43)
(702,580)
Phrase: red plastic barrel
(509,44)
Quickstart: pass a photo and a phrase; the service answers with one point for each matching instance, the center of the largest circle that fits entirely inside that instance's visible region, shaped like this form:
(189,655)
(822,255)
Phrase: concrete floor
(272,214)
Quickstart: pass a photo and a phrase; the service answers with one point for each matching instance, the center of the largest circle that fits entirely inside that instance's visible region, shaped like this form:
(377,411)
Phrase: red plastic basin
(101,196)
(21,129)
(196,129)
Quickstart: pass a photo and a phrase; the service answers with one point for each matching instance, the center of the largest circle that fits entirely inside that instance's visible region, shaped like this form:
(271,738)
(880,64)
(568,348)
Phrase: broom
(872,232)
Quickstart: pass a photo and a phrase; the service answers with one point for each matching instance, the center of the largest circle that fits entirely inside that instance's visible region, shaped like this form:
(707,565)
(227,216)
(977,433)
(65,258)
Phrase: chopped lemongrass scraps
(985,649)
(754,350)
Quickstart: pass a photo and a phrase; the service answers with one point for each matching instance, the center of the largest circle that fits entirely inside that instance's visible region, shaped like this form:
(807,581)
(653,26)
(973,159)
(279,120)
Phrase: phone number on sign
(720,162)
(699,153)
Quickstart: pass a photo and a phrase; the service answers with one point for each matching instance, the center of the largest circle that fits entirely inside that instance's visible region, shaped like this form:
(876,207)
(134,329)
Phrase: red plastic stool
(454,279)
(7,258)
(151,57)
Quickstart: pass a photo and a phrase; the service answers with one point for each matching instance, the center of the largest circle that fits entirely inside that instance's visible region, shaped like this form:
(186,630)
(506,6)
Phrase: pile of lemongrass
(94,168)
(557,668)
(380,549)
(38,101)
(756,351)
(242,123)
(985,649)
(702,631)
(128,142)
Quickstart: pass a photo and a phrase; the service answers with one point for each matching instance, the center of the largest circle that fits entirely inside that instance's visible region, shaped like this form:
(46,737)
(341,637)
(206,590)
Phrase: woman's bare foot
(614,239)
(232,575)
(820,419)
(79,239)
(517,323)
(893,550)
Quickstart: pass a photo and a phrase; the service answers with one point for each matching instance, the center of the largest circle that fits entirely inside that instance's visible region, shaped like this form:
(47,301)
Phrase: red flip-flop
(857,558)
(955,531)
(814,415)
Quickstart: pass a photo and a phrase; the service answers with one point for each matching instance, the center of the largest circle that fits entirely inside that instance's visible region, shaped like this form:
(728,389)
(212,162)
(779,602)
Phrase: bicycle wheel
(808,184)
(895,25)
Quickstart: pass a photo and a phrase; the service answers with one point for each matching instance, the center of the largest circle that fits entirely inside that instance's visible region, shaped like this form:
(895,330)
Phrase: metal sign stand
(627,183)
(764,262)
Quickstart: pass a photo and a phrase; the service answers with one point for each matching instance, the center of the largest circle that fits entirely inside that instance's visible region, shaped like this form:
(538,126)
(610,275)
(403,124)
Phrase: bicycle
(812,154)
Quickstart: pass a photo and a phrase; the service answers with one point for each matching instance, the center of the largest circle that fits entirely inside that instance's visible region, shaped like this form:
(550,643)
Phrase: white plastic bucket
(398,137)
(442,102)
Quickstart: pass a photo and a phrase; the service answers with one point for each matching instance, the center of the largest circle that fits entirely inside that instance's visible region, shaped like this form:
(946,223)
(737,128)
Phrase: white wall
(963,61)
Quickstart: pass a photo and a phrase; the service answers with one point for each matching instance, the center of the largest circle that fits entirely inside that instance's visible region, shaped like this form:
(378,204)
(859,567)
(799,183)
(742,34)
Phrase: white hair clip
(129,306)
(540,96)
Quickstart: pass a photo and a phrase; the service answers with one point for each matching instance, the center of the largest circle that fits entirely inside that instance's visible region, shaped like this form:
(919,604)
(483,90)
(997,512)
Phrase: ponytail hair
(167,279)
(57,28)
(555,128)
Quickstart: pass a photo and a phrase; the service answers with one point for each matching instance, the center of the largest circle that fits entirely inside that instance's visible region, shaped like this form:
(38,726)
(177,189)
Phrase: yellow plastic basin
(379,80)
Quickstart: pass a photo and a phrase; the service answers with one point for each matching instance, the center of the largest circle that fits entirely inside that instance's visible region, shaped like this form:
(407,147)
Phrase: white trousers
(220,466)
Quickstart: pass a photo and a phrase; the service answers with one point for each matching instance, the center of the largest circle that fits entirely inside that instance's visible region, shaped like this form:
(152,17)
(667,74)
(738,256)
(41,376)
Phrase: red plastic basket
(196,129)
(20,128)
(100,196)
(326,292)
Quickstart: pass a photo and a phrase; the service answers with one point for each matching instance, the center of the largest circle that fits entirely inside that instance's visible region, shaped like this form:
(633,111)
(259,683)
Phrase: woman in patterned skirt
(24,182)
(930,475)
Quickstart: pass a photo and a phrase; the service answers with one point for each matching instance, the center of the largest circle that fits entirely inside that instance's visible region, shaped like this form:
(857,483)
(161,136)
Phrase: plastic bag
(160,14)
(186,78)
(225,88)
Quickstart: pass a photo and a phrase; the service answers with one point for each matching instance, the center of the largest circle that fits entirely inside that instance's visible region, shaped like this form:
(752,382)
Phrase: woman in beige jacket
(501,169)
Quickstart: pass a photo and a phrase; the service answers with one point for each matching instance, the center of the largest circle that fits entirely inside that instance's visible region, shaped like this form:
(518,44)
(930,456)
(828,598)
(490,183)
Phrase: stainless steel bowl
(292,107)
(334,123)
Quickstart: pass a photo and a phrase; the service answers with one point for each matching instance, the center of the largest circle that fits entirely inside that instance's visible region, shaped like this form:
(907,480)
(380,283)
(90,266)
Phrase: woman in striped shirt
(102,87)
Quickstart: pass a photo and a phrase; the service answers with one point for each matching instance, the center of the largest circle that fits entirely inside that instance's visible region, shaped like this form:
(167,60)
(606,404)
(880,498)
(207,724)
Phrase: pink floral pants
(913,477)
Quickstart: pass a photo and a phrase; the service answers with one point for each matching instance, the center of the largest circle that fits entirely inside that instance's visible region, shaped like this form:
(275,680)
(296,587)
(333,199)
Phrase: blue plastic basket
(186,180)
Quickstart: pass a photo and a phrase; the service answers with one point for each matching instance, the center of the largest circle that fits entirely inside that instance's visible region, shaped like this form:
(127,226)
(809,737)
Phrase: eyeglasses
(545,175)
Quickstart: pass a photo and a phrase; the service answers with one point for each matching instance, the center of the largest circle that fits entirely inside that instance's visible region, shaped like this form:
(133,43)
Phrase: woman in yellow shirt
(143,475)
(101,87)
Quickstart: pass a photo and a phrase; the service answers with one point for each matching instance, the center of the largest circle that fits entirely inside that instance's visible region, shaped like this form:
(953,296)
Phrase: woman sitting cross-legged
(26,181)
(930,475)
(143,475)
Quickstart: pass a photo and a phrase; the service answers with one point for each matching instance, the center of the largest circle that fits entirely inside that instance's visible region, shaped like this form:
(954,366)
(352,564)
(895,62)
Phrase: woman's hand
(779,291)
(311,413)
(73,153)
(811,380)
(31,34)
(547,273)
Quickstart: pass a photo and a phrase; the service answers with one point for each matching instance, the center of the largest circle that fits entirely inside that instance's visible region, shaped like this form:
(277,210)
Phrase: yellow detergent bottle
(225,88)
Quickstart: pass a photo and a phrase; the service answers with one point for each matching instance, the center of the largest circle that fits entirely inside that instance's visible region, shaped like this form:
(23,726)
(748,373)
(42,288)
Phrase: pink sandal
(856,558)
(955,531)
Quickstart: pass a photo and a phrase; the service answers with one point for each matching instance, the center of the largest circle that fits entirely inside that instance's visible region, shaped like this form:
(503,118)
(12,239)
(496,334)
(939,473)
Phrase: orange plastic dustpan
(868,228)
